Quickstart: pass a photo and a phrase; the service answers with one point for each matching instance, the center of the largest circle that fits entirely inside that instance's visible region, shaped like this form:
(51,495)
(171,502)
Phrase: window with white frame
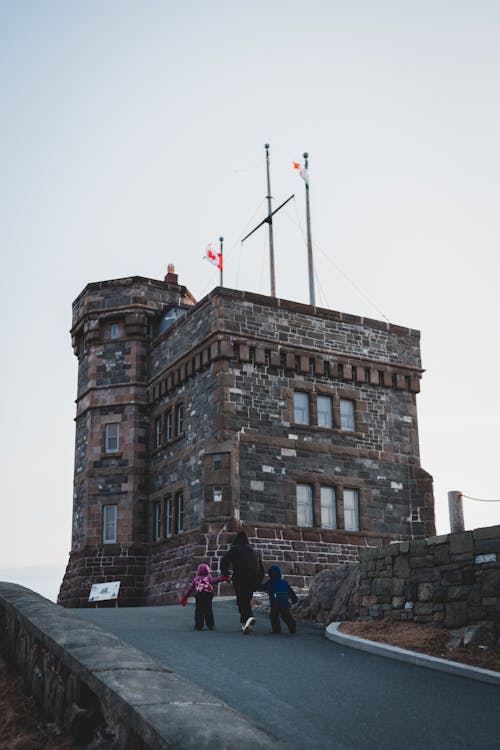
(300,407)
(158,432)
(169,517)
(109,524)
(328,508)
(168,426)
(179,419)
(157,521)
(347,421)
(351,510)
(112,437)
(304,505)
(114,330)
(325,411)
(179,511)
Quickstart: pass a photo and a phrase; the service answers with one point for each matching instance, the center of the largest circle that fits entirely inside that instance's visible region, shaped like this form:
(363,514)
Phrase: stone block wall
(453,579)
(300,552)
(103,564)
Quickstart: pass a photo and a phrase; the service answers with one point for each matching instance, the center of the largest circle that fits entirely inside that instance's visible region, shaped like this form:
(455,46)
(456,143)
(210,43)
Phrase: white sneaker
(247,627)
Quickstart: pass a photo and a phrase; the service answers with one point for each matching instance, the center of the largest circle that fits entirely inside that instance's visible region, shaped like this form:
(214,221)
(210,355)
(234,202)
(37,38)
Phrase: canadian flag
(215,258)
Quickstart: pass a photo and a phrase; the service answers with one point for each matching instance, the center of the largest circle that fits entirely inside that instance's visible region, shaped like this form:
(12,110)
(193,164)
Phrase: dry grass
(22,725)
(426,639)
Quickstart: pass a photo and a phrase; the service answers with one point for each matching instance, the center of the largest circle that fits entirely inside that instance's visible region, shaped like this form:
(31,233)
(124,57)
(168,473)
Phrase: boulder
(333,595)
(481,634)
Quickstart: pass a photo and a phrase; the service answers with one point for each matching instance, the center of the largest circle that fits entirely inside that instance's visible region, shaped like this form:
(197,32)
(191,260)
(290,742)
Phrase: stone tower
(113,323)
(196,419)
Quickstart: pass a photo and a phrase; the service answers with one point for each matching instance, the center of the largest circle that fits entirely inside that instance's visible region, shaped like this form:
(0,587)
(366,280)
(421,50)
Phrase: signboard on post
(101,592)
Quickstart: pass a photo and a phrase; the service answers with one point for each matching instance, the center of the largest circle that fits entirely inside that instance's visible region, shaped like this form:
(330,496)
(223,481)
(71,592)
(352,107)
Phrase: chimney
(171,276)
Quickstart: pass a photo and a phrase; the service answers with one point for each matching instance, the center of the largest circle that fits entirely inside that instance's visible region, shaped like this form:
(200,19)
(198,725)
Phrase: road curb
(333,633)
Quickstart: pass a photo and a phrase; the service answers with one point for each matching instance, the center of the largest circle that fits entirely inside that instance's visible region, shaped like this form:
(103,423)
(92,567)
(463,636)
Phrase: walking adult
(248,573)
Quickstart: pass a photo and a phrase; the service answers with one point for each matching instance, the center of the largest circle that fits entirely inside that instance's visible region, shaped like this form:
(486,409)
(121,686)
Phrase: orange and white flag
(304,173)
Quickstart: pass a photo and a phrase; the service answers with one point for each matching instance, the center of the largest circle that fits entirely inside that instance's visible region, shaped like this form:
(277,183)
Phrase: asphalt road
(311,692)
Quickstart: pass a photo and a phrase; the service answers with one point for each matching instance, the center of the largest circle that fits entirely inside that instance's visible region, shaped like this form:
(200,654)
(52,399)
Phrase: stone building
(195,419)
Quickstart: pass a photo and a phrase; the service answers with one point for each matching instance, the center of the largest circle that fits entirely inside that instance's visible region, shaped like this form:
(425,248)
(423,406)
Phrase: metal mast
(221,240)
(312,297)
(270,222)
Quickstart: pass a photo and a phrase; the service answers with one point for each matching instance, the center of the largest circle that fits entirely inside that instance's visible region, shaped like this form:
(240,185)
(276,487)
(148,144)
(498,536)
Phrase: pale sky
(133,134)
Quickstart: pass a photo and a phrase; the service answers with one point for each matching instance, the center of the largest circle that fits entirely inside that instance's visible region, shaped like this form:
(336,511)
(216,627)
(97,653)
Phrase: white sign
(101,592)
(480,559)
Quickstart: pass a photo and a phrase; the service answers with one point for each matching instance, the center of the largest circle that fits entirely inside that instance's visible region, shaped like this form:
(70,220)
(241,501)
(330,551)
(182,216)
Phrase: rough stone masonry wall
(453,579)
(300,552)
(103,564)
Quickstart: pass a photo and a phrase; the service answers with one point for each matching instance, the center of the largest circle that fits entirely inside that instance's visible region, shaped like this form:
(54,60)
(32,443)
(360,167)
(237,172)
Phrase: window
(325,412)
(168,518)
(300,407)
(157,521)
(168,426)
(158,432)
(304,505)
(217,494)
(114,330)
(217,462)
(112,437)
(351,510)
(347,421)
(328,508)
(109,523)
(179,507)
(179,419)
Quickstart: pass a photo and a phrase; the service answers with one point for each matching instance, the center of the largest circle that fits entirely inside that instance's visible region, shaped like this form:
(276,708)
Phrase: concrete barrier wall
(453,579)
(96,686)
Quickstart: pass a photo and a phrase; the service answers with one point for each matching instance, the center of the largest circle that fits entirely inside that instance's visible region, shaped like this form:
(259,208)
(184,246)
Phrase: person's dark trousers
(203,612)
(285,615)
(244,601)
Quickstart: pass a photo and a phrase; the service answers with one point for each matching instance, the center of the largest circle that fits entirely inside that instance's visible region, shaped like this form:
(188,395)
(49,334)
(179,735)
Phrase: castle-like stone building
(195,419)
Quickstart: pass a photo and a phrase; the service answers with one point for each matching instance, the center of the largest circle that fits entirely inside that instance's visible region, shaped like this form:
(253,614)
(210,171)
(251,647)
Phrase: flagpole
(221,240)
(312,298)
(270,222)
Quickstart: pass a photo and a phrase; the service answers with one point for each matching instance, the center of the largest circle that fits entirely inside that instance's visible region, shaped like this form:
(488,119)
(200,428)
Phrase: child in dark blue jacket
(280,592)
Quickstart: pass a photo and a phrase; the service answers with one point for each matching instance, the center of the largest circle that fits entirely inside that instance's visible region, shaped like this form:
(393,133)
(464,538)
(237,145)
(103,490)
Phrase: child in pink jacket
(203,587)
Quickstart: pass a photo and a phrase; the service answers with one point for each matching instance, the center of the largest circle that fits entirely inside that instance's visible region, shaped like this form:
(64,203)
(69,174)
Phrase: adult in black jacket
(248,573)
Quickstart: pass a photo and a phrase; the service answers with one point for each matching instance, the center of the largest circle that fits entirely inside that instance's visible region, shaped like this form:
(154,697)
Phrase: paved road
(311,692)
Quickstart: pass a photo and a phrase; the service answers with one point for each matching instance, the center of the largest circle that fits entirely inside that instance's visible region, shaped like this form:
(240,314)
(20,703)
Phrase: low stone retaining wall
(100,688)
(453,579)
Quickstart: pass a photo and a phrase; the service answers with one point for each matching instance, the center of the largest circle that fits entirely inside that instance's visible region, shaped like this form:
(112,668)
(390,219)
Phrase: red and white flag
(215,258)
(304,173)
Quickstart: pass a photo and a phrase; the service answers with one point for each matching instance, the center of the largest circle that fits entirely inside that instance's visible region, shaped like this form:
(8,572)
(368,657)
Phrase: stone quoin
(196,419)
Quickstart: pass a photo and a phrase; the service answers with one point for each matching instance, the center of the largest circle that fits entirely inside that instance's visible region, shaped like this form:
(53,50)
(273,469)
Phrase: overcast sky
(133,134)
